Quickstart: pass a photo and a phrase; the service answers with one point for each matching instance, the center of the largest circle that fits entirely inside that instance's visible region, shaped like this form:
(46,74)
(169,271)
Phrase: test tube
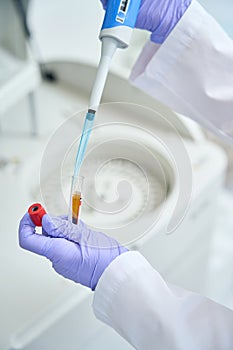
(75,198)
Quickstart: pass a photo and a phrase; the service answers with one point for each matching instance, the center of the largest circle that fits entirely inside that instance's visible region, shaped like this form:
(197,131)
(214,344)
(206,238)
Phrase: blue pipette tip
(87,127)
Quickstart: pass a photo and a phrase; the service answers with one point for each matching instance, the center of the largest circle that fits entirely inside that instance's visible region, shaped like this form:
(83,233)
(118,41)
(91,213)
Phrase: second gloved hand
(75,251)
(159,16)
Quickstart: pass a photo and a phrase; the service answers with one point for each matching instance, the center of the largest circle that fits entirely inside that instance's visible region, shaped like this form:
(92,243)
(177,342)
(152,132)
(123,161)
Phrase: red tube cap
(36,212)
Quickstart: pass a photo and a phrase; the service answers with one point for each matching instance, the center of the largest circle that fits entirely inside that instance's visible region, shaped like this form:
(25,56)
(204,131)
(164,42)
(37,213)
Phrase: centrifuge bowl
(135,164)
(129,175)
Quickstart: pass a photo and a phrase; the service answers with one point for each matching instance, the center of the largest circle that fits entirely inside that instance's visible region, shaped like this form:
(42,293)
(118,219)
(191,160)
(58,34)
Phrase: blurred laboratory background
(49,51)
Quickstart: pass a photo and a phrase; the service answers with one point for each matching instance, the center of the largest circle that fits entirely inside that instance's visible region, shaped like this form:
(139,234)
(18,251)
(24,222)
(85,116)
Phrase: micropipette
(118,24)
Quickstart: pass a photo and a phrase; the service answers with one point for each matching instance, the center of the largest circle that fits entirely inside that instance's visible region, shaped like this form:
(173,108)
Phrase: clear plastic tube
(75,198)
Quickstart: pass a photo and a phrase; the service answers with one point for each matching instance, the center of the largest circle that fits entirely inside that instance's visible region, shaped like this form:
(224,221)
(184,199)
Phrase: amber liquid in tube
(76,202)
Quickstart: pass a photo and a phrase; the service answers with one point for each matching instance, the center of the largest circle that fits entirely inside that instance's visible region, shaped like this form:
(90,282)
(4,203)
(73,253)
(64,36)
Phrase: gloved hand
(159,16)
(75,251)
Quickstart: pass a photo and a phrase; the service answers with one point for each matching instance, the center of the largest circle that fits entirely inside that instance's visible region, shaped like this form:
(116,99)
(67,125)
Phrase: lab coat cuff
(155,61)
(112,279)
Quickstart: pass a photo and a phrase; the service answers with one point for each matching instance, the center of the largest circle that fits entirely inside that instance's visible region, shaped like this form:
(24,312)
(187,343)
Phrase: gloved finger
(104,3)
(29,239)
(59,228)
(26,220)
(64,217)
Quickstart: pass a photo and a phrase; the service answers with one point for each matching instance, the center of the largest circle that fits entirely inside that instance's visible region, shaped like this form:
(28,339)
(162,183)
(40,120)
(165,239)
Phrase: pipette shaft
(119,21)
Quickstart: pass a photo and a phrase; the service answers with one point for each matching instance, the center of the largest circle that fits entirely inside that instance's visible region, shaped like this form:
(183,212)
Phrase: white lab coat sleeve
(192,71)
(133,298)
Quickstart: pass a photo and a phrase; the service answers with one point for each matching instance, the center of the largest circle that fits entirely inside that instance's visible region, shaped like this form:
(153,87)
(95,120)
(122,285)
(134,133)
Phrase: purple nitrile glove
(75,251)
(159,16)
